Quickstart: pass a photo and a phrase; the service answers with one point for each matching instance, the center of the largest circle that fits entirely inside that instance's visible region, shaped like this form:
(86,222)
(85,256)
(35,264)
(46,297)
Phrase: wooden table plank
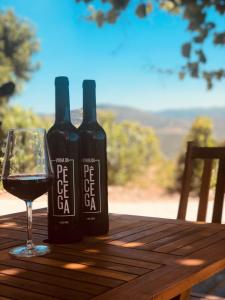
(141,234)
(10,244)
(111,258)
(192,236)
(53,278)
(125,252)
(138,227)
(4,298)
(167,234)
(141,258)
(167,282)
(84,268)
(45,289)
(90,261)
(172,234)
(11,292)
(205,242)
(88,281)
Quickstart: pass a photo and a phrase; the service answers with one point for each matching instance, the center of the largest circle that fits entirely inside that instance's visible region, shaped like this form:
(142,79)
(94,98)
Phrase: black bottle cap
(89,84)
(61,80)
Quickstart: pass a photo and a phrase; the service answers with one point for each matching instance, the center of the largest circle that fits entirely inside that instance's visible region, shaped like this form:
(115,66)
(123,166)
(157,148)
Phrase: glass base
(23,251)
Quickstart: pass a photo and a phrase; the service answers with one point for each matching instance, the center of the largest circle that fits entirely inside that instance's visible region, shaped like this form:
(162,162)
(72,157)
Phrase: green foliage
(17,117)
(164,175)
(198,15)
(201,134)
(158,176)
(17,45)
(27,153)
(131,148)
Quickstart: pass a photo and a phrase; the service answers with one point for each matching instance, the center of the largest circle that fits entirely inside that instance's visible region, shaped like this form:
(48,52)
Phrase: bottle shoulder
(66,127)
(63,129)
(91,129)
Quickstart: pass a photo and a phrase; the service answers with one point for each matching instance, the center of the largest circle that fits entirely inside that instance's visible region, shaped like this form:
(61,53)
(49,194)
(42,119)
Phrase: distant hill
(170,125)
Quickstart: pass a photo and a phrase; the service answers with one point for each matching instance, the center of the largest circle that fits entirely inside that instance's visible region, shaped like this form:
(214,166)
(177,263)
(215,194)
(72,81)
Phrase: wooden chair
(208,155)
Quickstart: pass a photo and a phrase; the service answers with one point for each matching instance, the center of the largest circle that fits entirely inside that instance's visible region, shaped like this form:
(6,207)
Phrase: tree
(131,148)
(201,133)
(17,117)
(18,44)
(195,12)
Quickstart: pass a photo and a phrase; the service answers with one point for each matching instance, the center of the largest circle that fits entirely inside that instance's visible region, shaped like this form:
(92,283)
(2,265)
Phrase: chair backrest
(207,154)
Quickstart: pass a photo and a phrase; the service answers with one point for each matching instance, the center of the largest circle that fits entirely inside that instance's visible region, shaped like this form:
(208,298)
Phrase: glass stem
(29,225)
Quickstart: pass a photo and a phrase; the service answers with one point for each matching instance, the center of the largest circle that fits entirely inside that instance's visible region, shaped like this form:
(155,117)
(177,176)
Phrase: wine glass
(27,174)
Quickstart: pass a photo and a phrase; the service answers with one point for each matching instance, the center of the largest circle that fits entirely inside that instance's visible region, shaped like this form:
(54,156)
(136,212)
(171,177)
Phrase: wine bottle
(63,198)
(93,165)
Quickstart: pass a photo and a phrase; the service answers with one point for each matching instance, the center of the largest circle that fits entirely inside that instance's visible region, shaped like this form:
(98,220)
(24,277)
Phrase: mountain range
(171,126)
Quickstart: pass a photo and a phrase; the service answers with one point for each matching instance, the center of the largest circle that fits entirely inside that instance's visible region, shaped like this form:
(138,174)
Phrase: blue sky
(117,57)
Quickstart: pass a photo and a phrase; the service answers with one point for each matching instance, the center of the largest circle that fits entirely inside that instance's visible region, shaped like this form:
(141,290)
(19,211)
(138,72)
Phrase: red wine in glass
(27,174)
(27,187)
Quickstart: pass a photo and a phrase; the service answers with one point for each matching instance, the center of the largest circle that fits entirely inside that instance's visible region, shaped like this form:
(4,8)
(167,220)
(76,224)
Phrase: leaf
(202,35)
(181,75)
(99,18)
(167,5)
(220,74)
(199,39)
(210,25)
(193,25)
(219,38)
(140,10)
(112,16)
(186,50)
(220,8)
(208,77)
(143,9)
(209,84)
(201,56)
(193,69)
(149,8)
(119,4)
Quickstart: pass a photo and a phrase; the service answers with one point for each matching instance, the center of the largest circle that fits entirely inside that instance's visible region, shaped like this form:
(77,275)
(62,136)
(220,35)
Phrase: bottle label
(63,189)
(91,185)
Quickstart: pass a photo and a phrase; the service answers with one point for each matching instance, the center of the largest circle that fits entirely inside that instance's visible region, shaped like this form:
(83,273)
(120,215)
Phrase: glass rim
(27,129)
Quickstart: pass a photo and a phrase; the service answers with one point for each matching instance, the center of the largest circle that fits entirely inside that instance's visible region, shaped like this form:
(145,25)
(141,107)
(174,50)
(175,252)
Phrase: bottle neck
(89,105)
(62,104)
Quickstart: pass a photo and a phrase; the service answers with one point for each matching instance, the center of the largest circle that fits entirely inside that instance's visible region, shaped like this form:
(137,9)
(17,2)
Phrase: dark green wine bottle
(93,165)
(63,199)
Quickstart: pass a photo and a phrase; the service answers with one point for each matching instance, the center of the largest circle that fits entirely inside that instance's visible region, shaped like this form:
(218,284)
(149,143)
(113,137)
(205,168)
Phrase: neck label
(63,189)
(91,185)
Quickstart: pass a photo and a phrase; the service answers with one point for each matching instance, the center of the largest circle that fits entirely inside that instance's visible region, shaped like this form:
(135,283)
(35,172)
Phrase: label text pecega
(62,189)
(89,187)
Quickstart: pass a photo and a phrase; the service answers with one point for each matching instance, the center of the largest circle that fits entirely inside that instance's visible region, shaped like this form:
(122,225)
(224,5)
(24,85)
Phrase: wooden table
(141,258)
